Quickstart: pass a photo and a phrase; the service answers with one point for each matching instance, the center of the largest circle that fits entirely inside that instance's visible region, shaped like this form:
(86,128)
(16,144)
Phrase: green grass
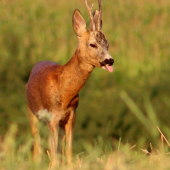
(127,104)
(98,156)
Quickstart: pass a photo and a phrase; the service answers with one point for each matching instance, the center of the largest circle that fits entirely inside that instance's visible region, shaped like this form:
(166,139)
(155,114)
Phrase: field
(119,112)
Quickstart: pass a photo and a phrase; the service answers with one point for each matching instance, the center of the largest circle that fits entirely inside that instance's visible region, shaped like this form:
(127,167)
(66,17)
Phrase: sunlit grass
(124,156)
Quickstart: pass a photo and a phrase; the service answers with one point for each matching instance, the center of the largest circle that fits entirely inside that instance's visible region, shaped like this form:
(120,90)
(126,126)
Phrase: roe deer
(52,89)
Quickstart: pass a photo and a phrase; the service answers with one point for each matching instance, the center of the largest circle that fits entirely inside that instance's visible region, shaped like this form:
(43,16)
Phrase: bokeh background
(127,104)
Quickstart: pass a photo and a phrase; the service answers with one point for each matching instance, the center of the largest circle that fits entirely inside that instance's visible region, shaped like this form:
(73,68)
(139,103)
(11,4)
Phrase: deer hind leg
(35,133)
(69,127)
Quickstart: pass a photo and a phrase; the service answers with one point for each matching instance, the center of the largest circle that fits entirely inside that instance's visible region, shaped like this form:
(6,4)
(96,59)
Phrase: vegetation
(127,104)
(98,156)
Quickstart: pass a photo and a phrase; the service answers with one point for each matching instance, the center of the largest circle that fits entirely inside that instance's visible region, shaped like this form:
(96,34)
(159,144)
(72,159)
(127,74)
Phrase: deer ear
(96,16)
(79,24)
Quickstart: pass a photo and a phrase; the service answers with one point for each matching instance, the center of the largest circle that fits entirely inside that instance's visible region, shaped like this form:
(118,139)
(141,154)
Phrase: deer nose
(110,61)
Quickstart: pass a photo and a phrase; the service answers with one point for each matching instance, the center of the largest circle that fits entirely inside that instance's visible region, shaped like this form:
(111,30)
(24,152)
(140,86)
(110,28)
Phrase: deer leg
(53,142)
(69,126)
(35,133)
(63,150)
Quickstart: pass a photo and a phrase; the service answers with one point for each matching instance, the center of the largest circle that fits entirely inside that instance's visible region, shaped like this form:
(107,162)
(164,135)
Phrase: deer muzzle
(109,61)
(107,64)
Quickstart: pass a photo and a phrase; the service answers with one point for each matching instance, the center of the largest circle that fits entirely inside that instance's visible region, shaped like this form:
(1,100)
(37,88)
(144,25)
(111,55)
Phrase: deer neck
(77,70)
(78,63)
(74,75)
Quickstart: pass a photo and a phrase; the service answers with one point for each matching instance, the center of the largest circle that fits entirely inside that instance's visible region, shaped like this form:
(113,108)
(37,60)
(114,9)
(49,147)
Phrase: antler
(100,15)
(90,14)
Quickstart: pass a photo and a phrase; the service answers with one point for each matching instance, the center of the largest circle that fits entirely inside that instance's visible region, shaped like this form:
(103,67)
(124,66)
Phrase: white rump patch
(45,115)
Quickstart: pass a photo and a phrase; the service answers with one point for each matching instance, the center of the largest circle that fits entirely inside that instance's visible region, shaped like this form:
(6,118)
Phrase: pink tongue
(109,68)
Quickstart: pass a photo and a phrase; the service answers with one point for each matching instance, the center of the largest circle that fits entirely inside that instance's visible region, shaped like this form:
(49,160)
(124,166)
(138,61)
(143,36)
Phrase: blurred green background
(128,103)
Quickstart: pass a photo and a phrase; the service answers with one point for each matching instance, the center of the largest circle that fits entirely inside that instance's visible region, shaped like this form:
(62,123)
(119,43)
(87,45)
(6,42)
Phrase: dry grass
(126,157)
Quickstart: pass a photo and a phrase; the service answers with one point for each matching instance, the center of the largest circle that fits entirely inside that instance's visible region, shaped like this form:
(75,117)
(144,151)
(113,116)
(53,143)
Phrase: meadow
(118,112)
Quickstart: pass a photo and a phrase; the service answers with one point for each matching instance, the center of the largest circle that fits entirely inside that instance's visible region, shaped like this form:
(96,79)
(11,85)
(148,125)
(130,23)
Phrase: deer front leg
(69,126)
(63,151)
(53,142)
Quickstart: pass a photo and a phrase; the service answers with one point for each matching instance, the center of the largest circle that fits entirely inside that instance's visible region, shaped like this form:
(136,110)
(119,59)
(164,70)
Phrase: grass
(125,157)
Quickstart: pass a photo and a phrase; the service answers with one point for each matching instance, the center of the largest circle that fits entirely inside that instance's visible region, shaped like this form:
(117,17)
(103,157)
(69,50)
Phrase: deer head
(92,47)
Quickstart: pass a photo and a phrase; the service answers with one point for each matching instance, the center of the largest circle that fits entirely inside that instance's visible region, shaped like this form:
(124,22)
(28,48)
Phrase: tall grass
(15,156)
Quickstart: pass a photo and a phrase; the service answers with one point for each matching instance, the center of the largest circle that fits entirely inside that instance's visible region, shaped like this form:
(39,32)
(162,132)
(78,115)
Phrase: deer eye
(93,45)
